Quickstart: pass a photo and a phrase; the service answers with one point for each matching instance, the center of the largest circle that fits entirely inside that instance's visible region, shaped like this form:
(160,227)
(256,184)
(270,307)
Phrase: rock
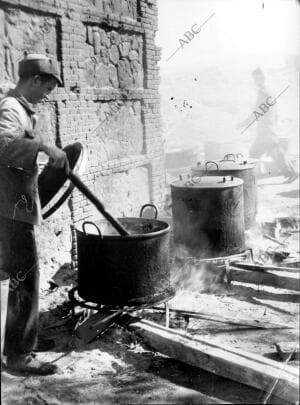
(102,75)
(104,53)
(124,48)
(134,44)
(97,42)
(105,41)
(133,55)
(114,37)
(89,35)
(124,73)
(113,76)
(137,73)
(114,54)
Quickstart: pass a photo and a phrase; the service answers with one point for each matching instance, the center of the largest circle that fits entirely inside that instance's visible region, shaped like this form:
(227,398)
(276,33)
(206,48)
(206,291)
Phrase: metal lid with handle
(51,181)
(53,185)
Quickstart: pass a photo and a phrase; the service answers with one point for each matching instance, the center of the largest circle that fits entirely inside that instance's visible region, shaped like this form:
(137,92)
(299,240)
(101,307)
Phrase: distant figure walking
(266,141)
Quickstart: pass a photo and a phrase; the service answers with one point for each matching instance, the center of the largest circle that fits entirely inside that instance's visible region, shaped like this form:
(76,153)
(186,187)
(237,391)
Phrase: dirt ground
(118,368)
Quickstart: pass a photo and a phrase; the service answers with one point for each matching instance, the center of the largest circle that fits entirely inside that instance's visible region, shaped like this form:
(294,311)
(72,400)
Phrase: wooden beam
(227,319)
(235,364)
(257,267)
(264,278)
(273,239)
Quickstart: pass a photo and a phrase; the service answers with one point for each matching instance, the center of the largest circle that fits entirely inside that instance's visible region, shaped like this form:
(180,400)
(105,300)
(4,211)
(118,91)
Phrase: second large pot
(124,270)
(241,169)
(208,216)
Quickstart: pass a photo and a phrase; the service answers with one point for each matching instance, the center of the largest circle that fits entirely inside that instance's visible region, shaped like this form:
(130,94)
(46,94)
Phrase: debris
(238,365)
(277,256)
(288,350)
(97,323)
(264,278)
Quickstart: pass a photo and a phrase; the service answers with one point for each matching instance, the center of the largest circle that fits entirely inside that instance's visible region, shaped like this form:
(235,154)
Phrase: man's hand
(58,157)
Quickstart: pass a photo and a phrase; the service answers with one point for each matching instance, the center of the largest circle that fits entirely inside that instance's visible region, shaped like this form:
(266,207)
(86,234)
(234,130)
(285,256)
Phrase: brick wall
(109,99)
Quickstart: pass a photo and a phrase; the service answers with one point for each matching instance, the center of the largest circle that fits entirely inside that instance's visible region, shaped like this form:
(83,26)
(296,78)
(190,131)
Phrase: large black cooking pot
(238,168)
(124,270)
(208,215)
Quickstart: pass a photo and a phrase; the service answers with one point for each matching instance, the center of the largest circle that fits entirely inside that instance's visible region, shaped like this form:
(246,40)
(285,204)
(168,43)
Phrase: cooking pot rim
(224,169)
(148,235)
(210,185)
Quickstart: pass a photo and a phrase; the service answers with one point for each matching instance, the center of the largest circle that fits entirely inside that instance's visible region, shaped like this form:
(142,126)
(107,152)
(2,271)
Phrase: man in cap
(20,208)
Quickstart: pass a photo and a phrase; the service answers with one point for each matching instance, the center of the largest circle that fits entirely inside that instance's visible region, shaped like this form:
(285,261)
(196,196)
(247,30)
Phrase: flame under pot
(208,216)
(124,270)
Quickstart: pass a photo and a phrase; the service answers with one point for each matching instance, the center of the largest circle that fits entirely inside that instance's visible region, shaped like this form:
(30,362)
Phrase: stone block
(129,67)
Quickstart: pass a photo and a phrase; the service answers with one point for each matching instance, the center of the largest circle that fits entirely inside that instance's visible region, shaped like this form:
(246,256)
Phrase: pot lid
(223,165)
(208,182)
(53,184)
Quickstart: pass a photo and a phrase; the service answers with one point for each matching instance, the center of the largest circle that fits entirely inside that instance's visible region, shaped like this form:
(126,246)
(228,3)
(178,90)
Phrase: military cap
(36,64)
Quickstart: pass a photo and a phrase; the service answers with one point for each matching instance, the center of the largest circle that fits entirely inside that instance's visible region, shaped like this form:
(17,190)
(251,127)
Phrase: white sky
(241,34)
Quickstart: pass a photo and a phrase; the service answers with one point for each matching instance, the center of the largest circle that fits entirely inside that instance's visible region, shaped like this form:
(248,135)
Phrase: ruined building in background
(109,99)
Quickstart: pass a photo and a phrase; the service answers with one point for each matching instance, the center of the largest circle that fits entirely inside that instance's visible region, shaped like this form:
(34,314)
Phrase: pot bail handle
(151,206)
(214,163)
(91,223)
(227,156)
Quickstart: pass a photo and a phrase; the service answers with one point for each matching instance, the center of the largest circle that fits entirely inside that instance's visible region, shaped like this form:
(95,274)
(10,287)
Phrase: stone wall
(109,99)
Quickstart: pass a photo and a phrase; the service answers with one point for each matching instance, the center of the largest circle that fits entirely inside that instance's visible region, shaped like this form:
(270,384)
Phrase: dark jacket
(18,155)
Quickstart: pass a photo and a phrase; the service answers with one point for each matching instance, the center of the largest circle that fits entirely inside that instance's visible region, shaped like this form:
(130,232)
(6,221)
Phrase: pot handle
(211,161)
(90,223)
(227,156)
(149,205)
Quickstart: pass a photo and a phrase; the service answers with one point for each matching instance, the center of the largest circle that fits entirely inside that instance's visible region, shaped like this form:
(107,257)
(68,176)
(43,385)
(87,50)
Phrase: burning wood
(273,239)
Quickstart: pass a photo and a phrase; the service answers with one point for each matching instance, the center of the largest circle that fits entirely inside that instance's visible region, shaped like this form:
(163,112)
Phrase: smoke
(195,276)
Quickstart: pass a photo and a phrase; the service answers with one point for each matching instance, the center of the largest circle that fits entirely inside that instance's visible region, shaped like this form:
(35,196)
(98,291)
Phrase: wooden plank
(227,319)
(256,267)
(235,364)
(294,263)
(273,239)
(264,278)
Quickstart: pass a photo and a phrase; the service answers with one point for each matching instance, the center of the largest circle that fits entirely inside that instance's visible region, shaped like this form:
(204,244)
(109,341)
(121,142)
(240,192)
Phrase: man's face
(41,89)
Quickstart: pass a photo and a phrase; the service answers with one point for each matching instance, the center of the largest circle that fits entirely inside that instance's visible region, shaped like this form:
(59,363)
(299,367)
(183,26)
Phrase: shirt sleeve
(15,149)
